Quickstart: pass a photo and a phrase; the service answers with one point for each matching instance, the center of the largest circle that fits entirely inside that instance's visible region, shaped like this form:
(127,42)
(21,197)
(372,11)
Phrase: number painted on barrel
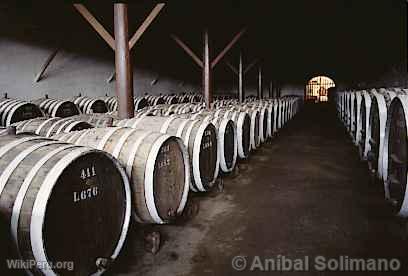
(165,162)
(89,193)
(88,173)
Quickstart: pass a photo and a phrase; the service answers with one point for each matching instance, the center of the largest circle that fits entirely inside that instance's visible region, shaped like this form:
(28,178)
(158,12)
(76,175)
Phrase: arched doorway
(317,89)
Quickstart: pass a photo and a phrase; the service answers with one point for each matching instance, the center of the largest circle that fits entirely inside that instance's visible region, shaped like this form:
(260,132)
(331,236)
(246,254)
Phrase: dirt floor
(304,194)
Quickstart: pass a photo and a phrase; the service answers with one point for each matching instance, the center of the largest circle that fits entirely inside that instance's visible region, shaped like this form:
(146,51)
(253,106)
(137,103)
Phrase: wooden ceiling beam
(148,21)
(228,47)
(232,67)
(47,63)
(250,66)
(188,50)
(87,15)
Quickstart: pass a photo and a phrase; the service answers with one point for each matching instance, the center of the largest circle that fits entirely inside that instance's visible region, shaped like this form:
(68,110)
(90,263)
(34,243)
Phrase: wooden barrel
(243,126)
(263,124)
(171,99)
(57,108)
(183,98)
(155,100)
(284,112)
(376,134)
(140,103)
(90,105)
(63,203)
(111,102)
(263,120)
(199,137)
(48,127)
(97,120)
(364,143)
(350,123)
(276,116)
(395,151)
(270,118)
(12,111)
(227,139)
(255,139)
(157,165)
(356,118)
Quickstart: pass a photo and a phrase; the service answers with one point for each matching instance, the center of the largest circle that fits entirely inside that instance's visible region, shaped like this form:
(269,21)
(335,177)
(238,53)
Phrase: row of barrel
(377,123)
(70,186)
(14,110)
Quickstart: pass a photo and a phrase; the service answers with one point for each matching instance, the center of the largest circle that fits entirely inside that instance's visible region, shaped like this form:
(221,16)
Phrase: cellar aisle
(304,194)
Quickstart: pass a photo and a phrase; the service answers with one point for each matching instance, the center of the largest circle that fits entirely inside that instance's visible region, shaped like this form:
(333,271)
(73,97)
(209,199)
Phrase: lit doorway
(317,89)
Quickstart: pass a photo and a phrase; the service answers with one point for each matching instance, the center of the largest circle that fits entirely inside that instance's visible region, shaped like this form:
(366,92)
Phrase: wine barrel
(111,102)
(284,112)
(356,118)
(243,126)
(350,123)
(157,165)
(255,139)
(97,120)
(12,111)
(395,151)
(90,105)
(155,100)
(364,144)
(262,122)
(171,99)
(183,98)
(276,116)
(198,136)
(48,127)
(270,118)
(63,203)
(376,134)
(280,114)
(226,137)
(57,108)
(140,103)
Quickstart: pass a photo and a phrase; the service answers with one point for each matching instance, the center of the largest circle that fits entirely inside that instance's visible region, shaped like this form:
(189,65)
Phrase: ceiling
(345,39)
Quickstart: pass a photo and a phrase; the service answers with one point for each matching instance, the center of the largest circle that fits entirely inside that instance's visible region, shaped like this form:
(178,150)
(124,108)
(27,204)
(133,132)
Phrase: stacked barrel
(14,110)
(97,172)
(377,122)
(57,107)
(89,105)
(215,139)
(112,103)
(60,202)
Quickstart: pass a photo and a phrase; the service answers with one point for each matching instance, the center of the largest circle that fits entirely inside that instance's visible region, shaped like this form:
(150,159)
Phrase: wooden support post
(139,32)
(207,71)
(47,63)
(241,92)
(260,84)
(124,75)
